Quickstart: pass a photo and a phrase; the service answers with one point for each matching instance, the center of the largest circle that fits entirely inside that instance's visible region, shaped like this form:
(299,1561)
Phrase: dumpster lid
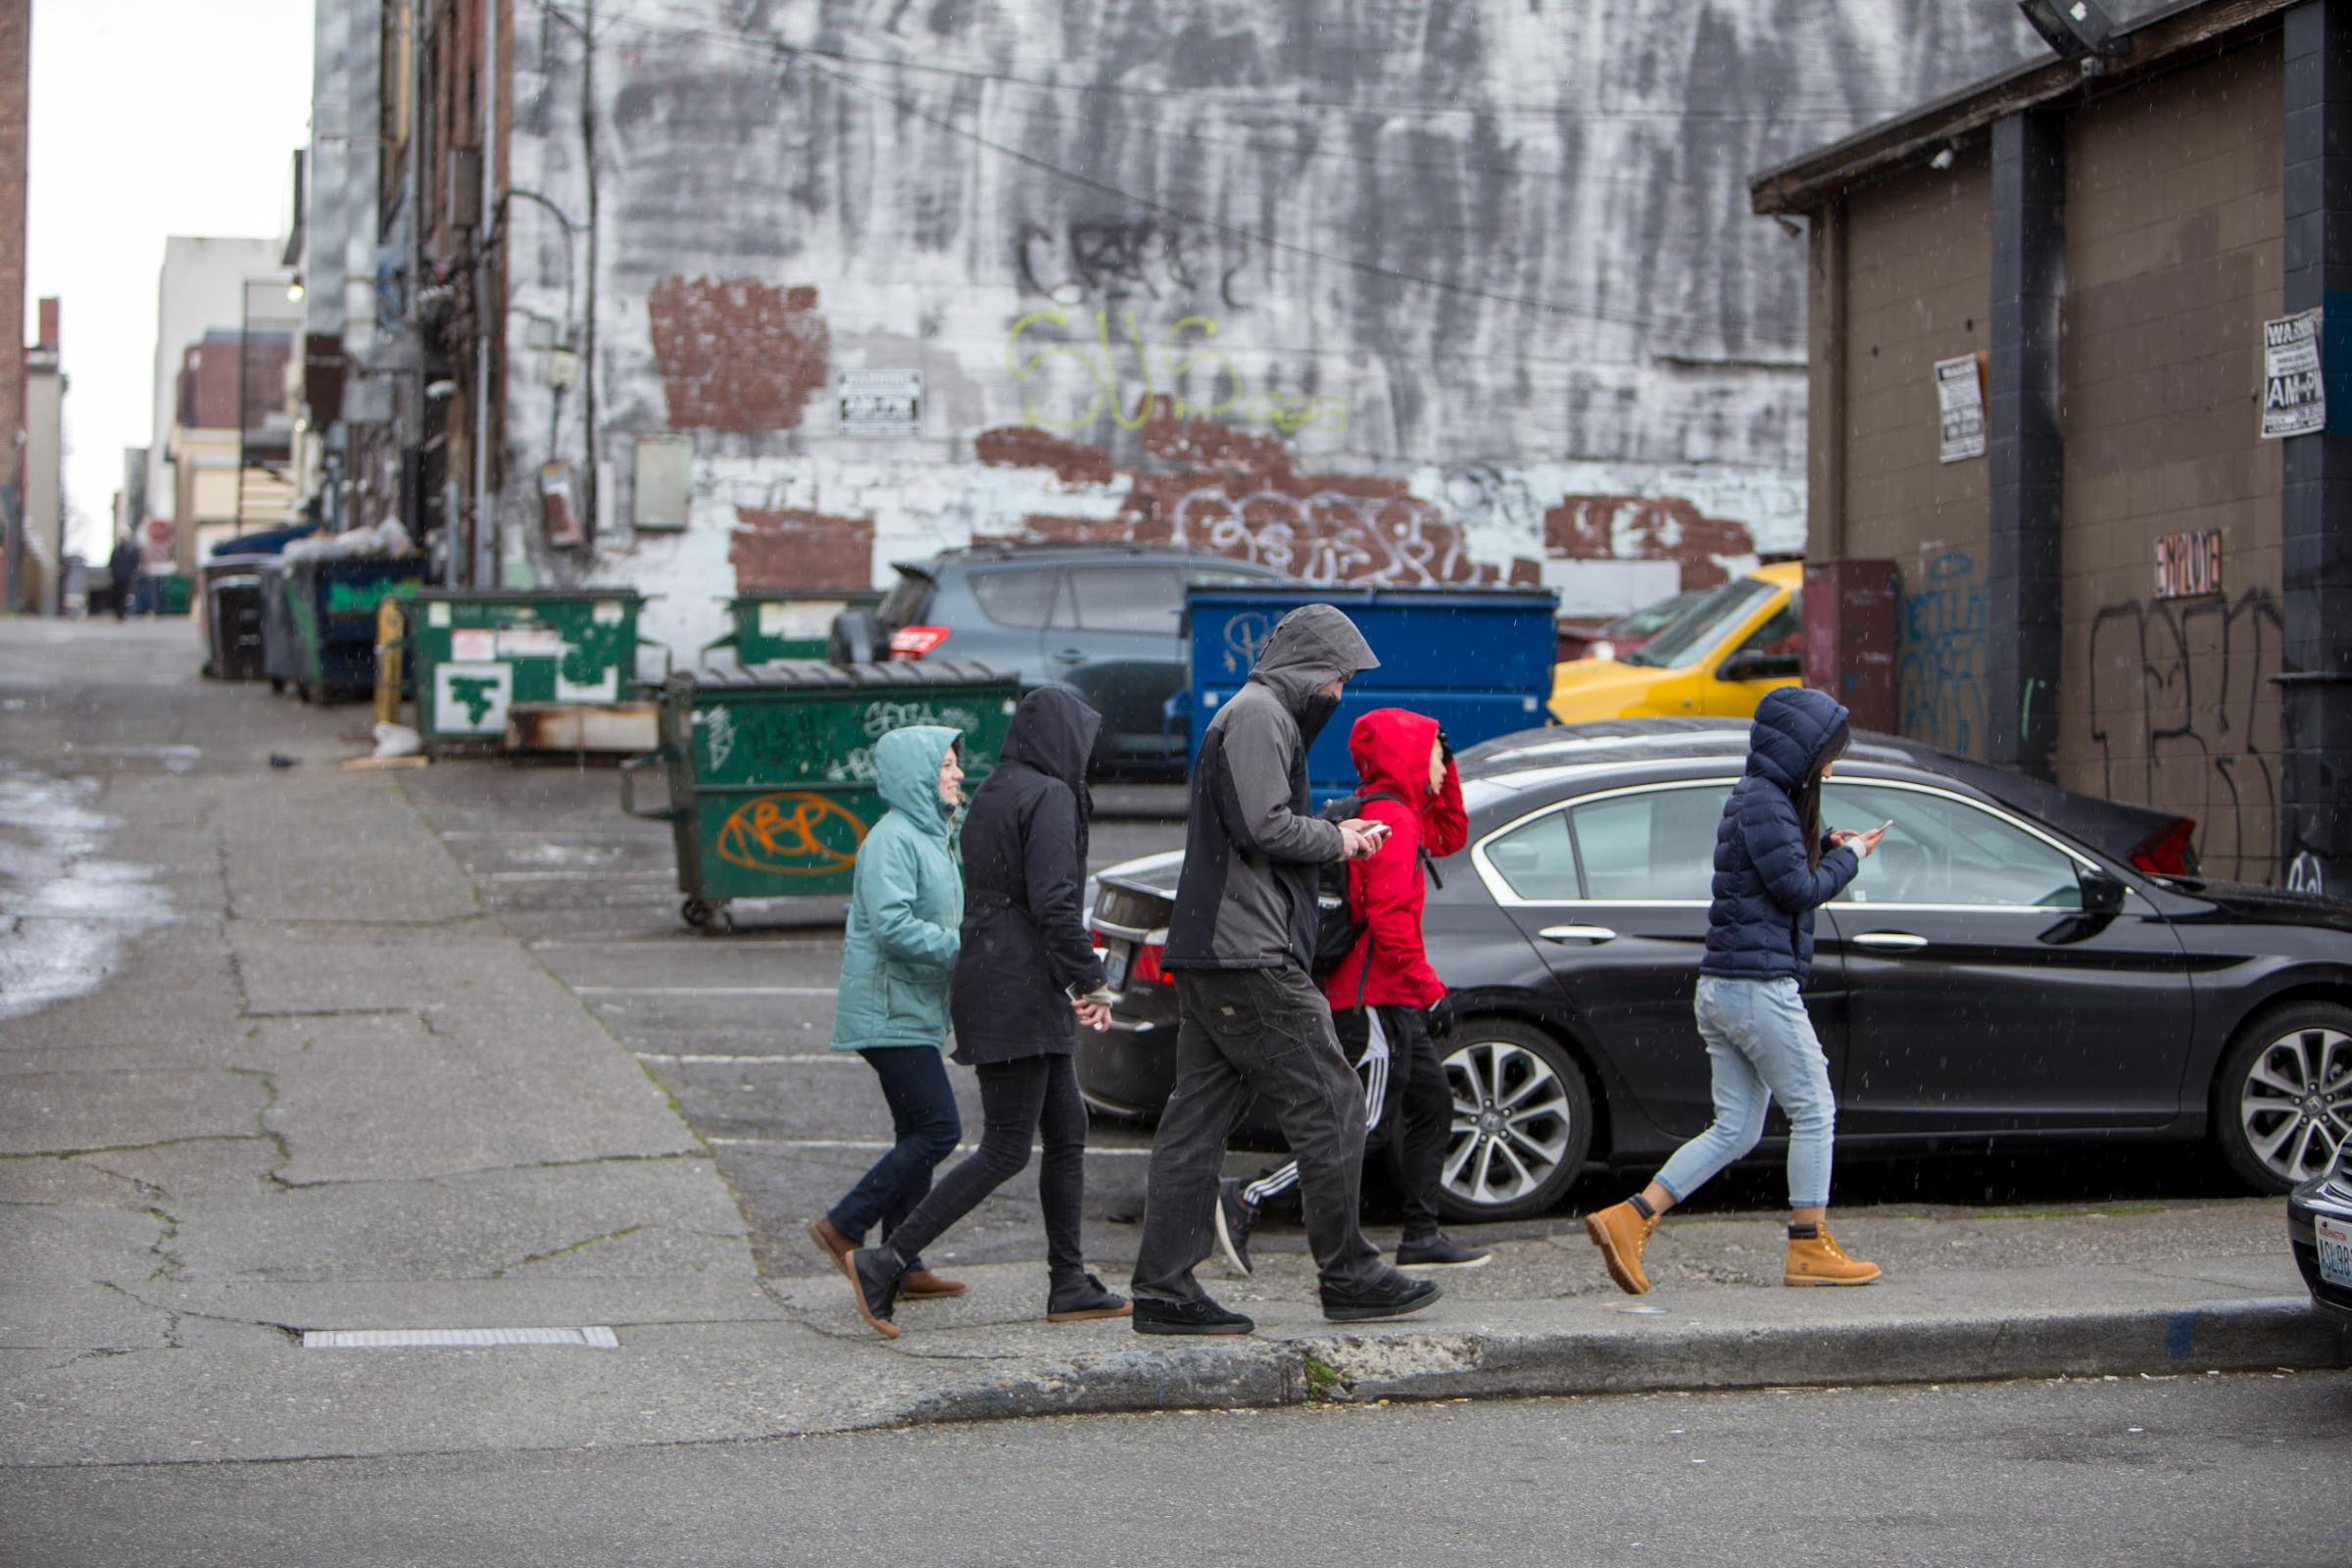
(815,674)
(510,594)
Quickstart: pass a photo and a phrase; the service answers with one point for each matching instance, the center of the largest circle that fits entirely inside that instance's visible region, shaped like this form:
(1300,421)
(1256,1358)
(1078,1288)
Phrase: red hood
(1391,749)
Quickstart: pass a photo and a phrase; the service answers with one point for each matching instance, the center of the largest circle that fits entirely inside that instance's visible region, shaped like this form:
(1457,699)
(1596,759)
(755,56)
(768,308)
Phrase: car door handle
(1071,656)
(1890,939)
(1595,934)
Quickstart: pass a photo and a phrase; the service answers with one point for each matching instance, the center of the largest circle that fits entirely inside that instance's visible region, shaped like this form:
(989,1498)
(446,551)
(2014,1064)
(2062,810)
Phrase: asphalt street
(2189,1470)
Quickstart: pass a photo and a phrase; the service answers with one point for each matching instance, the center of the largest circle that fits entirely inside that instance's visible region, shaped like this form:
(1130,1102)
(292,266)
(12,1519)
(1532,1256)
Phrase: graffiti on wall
(1939,656)
(2173,685)
(1074,368)
(736,354)
(1647,528)
(1115,259)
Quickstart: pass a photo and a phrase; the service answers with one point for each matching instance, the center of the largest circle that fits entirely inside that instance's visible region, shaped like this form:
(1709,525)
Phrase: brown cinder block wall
(2174,231)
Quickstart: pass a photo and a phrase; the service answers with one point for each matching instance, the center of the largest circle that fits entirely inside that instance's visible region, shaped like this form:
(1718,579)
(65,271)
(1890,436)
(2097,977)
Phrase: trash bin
(232,620)
(278,662)
(330,607)
(792,624)
(477,651)
(1476,659)
(770,772)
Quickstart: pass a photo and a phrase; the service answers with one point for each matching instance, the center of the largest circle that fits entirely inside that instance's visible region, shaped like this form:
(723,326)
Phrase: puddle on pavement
(69,912)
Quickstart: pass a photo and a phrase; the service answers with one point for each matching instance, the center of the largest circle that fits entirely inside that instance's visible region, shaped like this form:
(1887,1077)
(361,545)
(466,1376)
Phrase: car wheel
(2283,1101)
(1522,1121)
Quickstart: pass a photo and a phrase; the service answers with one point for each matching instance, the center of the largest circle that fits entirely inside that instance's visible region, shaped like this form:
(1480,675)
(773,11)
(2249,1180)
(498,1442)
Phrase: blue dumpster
(1476,659)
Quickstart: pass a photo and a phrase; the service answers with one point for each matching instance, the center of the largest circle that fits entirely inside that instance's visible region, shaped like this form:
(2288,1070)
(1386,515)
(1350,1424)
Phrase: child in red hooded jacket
(1408,782)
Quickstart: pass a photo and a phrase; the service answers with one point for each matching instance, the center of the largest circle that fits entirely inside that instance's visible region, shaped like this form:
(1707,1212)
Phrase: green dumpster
(771,767)
(330,620)
(788,624)
(477,651)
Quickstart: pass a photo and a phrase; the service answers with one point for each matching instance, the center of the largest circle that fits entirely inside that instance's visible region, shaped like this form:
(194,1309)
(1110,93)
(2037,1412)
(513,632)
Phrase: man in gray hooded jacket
(1240,945)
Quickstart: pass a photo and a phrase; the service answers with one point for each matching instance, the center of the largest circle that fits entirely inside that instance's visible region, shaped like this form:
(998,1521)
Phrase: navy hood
(1796,731)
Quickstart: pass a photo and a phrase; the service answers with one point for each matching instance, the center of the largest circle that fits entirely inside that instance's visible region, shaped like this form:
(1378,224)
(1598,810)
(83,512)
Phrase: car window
(1945,851)
(1691,635)
(1022,598)
(904,605)
(1144,599)
(1652,844)
(1776,649)
(1536,860)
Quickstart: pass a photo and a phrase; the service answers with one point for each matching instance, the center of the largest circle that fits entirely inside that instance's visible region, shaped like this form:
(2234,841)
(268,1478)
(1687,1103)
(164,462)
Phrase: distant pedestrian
(905,906)
(1388,1003)
(1025,978)
(123,567)
(1772,867)
(1240,945)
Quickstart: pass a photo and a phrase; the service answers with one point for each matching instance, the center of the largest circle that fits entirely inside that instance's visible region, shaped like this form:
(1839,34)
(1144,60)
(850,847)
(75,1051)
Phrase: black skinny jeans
(1036,1097)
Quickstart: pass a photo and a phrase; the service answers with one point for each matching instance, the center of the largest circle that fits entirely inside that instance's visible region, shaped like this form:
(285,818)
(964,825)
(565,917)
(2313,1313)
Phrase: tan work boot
(921,1285)
(1820,1260)
(1622,1234)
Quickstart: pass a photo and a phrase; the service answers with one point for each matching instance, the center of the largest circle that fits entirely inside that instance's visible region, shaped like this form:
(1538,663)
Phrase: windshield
(1690,635)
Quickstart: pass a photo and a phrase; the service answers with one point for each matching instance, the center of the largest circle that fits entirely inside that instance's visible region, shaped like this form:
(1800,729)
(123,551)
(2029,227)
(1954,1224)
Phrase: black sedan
(1993,977)
(2318,1228)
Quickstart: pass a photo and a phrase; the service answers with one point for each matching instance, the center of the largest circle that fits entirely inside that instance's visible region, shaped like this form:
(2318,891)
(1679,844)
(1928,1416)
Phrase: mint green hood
(907,774)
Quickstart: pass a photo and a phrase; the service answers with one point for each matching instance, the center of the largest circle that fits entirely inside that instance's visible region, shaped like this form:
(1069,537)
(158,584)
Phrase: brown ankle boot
(921,1285)
(1820,1260)
(1622,1235)
(827,1235)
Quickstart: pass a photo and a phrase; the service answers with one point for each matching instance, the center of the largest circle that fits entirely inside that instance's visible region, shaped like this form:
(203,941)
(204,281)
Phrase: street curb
(2227,1336)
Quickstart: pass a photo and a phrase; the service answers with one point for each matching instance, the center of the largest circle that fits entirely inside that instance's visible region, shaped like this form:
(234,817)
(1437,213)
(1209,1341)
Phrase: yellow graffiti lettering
(1027,356)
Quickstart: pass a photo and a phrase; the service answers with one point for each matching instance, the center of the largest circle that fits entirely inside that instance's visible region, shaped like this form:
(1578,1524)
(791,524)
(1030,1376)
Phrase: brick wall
(1919,285)
(2173,235)
(16,56)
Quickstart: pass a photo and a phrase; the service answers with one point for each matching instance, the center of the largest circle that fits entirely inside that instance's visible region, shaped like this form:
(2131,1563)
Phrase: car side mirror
(2102,894)
(1753,663)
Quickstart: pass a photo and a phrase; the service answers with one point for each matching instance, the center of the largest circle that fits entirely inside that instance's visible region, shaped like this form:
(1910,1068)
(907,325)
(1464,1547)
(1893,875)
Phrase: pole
(244,358)
(486,543)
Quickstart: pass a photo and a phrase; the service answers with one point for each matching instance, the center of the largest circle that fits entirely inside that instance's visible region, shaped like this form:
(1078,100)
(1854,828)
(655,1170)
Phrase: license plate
(2336,1249)
(1115,957)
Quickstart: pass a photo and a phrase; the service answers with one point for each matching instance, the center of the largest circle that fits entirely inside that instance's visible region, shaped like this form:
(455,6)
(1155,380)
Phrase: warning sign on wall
(881,403)
(1960,406)
(2294,401)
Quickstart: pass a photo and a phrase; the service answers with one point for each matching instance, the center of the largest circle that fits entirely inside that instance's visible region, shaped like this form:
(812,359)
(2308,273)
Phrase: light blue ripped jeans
(1761,1046)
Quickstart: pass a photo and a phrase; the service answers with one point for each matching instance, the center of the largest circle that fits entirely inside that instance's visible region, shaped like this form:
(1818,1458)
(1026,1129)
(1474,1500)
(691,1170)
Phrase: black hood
(1054,733)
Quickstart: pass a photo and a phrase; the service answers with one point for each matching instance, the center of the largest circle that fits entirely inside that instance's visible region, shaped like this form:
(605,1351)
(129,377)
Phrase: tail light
(1147,969)
(913,642)
(2170,851)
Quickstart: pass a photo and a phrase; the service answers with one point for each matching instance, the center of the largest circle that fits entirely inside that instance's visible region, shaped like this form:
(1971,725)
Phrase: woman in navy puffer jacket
(1772,867)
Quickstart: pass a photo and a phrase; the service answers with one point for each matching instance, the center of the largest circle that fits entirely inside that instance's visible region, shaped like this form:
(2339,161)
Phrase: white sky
(150,118)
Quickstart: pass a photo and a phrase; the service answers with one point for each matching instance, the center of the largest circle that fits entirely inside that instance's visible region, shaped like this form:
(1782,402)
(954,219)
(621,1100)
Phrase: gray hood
(1310,645)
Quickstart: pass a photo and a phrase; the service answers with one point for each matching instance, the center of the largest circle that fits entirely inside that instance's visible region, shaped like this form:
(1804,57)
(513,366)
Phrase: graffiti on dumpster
(719,733)
(792,834)
(471,699)
(881,718)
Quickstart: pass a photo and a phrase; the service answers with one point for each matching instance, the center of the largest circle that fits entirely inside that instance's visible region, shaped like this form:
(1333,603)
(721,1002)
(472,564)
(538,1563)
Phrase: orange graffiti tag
(794,834)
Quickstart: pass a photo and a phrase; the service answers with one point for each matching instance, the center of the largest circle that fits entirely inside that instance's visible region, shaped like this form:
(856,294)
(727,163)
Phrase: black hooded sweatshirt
(1024,877)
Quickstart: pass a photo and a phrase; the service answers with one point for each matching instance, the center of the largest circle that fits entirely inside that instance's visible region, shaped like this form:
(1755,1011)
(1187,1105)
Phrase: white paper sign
(2294,399)
(1960,409)
(881,403)
(530,642)
(800,617)
(472,646)
(607,611)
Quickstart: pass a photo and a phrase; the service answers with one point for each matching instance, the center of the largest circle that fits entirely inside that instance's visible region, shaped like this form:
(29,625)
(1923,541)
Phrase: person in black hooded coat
(1022,984)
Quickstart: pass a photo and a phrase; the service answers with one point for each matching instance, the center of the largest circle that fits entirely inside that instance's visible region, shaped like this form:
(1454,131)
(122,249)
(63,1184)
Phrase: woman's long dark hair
(1808,796)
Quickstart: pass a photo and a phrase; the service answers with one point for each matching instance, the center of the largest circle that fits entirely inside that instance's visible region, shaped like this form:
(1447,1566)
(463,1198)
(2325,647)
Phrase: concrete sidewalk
(329,1092)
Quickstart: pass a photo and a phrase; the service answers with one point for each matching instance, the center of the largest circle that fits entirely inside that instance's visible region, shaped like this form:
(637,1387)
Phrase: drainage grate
(598,1338)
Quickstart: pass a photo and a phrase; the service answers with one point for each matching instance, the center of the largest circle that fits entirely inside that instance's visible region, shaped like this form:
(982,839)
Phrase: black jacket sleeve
(1053,880)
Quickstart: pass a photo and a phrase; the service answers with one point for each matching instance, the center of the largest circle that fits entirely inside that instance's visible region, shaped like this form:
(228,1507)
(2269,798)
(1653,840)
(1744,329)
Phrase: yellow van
(1717,659)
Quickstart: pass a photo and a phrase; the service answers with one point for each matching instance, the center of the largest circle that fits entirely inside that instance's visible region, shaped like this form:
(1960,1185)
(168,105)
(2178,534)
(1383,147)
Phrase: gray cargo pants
(1267,1032)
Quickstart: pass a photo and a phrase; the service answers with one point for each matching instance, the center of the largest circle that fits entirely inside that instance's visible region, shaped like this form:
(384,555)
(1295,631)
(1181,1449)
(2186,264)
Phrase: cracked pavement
(431,1051)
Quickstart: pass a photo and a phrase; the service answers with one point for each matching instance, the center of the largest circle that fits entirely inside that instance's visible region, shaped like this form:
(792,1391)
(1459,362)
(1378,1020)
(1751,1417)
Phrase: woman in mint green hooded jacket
(905,909)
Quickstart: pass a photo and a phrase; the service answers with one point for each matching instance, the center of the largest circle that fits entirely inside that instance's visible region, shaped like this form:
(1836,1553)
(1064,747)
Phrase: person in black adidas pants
(1384,994)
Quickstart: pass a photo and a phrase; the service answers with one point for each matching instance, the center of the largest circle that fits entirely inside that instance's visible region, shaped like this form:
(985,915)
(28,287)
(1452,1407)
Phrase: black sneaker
(874,1274)
(1434,1251)
(1200,1315)
(1086,1296)
(1237,1217)
(1398,1295)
